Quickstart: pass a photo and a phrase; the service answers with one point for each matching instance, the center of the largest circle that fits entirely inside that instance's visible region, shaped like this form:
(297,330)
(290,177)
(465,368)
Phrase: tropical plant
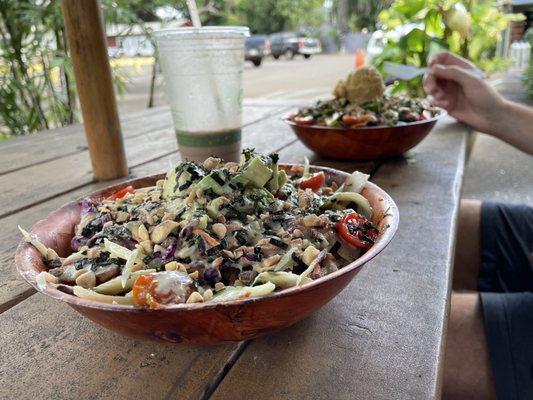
(419,28)
(269,16)
(36,78)
(364,13)
(37,84)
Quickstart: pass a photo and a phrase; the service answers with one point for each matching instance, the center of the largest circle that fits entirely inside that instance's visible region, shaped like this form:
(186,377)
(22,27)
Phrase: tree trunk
(152,85)
(88,49)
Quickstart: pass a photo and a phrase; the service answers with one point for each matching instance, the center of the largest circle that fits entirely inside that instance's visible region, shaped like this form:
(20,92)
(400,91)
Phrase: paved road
(275,79)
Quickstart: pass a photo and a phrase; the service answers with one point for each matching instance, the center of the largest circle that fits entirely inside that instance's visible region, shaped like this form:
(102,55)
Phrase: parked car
(256,47)
(289,44)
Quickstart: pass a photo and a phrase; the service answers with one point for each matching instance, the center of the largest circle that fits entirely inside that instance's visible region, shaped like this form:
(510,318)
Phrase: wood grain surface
(380,338)
(62,355)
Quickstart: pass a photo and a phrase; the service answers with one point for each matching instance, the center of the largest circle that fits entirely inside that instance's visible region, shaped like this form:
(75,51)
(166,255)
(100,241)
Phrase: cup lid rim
(169,33)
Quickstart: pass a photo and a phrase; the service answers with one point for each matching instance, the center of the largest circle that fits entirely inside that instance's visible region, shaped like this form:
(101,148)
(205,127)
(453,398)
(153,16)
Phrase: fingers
(436,94)
(430,83)
(440,101)
(447,58)
(454,73)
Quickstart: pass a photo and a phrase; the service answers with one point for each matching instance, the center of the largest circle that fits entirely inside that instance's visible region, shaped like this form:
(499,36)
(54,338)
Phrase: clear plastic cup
(202,70)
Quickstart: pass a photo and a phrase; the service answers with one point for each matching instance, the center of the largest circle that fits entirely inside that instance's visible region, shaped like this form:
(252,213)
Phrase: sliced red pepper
(357,231)
(121,193)
(314,182)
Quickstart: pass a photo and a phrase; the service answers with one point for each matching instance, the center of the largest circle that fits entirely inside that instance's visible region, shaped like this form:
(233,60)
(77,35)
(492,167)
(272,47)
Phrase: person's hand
(452,85)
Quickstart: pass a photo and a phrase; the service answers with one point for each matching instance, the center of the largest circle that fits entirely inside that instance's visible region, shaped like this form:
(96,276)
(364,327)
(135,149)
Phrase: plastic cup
(202,70)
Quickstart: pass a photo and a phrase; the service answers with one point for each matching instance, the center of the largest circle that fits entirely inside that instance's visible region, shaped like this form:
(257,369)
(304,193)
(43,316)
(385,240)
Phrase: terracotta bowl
(206,323)
(368,143)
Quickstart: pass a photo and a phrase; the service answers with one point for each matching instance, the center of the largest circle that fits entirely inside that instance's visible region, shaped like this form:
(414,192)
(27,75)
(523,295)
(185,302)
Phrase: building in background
(134,40)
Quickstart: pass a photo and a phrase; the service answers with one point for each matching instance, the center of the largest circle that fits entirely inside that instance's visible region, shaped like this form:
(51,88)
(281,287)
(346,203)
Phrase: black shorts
(505,283)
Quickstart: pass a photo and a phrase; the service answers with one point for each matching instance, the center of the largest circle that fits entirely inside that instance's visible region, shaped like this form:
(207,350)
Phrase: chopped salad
(360,100)
(212,232)
(388,110)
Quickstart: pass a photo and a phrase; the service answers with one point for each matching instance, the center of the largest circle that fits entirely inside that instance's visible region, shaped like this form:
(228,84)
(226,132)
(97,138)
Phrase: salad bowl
(203,323)
(366,143)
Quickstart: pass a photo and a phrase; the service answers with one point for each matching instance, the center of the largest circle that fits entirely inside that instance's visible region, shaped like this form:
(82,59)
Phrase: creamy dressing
(173,286)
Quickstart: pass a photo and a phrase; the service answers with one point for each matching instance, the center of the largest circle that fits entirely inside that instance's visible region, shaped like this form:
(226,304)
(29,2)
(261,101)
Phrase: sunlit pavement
(274,79)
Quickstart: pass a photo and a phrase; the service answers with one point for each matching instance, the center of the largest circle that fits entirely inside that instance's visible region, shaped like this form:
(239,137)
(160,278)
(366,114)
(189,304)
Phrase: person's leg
(467,369)
(468,246)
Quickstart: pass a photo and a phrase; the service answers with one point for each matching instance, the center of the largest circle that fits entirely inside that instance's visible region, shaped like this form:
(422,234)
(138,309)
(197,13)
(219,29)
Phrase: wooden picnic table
(381,338)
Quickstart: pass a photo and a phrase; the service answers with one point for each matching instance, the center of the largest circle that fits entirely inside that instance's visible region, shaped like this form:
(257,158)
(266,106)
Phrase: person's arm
(516,127)
(451,85)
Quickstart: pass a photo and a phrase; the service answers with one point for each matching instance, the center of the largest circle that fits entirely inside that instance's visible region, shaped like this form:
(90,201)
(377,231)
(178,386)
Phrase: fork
(408,72)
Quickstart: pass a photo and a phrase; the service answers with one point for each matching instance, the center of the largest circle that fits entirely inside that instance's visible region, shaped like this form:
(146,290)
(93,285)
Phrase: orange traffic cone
(359,58)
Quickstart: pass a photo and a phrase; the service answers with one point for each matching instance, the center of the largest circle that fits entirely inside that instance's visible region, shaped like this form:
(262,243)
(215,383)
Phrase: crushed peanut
(220,230)
(195,297)
(310,253)
(171,266)
(194,275)
(208,295)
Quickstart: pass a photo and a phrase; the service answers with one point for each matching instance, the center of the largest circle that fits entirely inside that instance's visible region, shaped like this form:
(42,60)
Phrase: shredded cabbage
(286,261)
(48,254)
(306,168)
(339,201)
(116,286)
(91,295)
(355,183)
(309,269)
(117,250)
(282,280)
(126,271)
(236,293)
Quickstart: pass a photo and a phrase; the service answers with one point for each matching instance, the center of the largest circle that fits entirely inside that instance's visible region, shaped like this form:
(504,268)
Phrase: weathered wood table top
(381,338)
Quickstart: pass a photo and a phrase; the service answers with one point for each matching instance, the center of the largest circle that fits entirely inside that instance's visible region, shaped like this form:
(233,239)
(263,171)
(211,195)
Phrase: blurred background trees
(38,90)
(418,28)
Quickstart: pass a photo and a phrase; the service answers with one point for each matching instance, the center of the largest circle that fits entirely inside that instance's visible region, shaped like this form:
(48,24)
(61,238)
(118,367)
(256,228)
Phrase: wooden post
(88,49)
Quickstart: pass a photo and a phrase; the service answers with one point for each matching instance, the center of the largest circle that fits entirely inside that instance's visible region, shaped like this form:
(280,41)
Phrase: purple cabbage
(94,238)
(105,218)
(88,206)
(170,250)
(127,243)
(77,242)
(187,230)
(212,276)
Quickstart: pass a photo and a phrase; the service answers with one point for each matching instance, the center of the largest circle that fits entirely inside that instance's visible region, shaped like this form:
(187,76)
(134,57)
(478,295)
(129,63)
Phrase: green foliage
(37,84)
(364,13)
(261,16)
(269,16)
(33,98)
(434,25)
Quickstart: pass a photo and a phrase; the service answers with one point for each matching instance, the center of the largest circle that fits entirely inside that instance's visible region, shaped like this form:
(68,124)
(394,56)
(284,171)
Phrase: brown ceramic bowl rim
(388,224)
(441,113)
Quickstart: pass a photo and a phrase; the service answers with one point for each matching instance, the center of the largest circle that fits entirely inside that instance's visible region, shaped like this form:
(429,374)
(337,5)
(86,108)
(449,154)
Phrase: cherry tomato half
(355,121)
(121,193)
(144,292)
(308,120)
(357,231)
(314,182)
(159,289)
